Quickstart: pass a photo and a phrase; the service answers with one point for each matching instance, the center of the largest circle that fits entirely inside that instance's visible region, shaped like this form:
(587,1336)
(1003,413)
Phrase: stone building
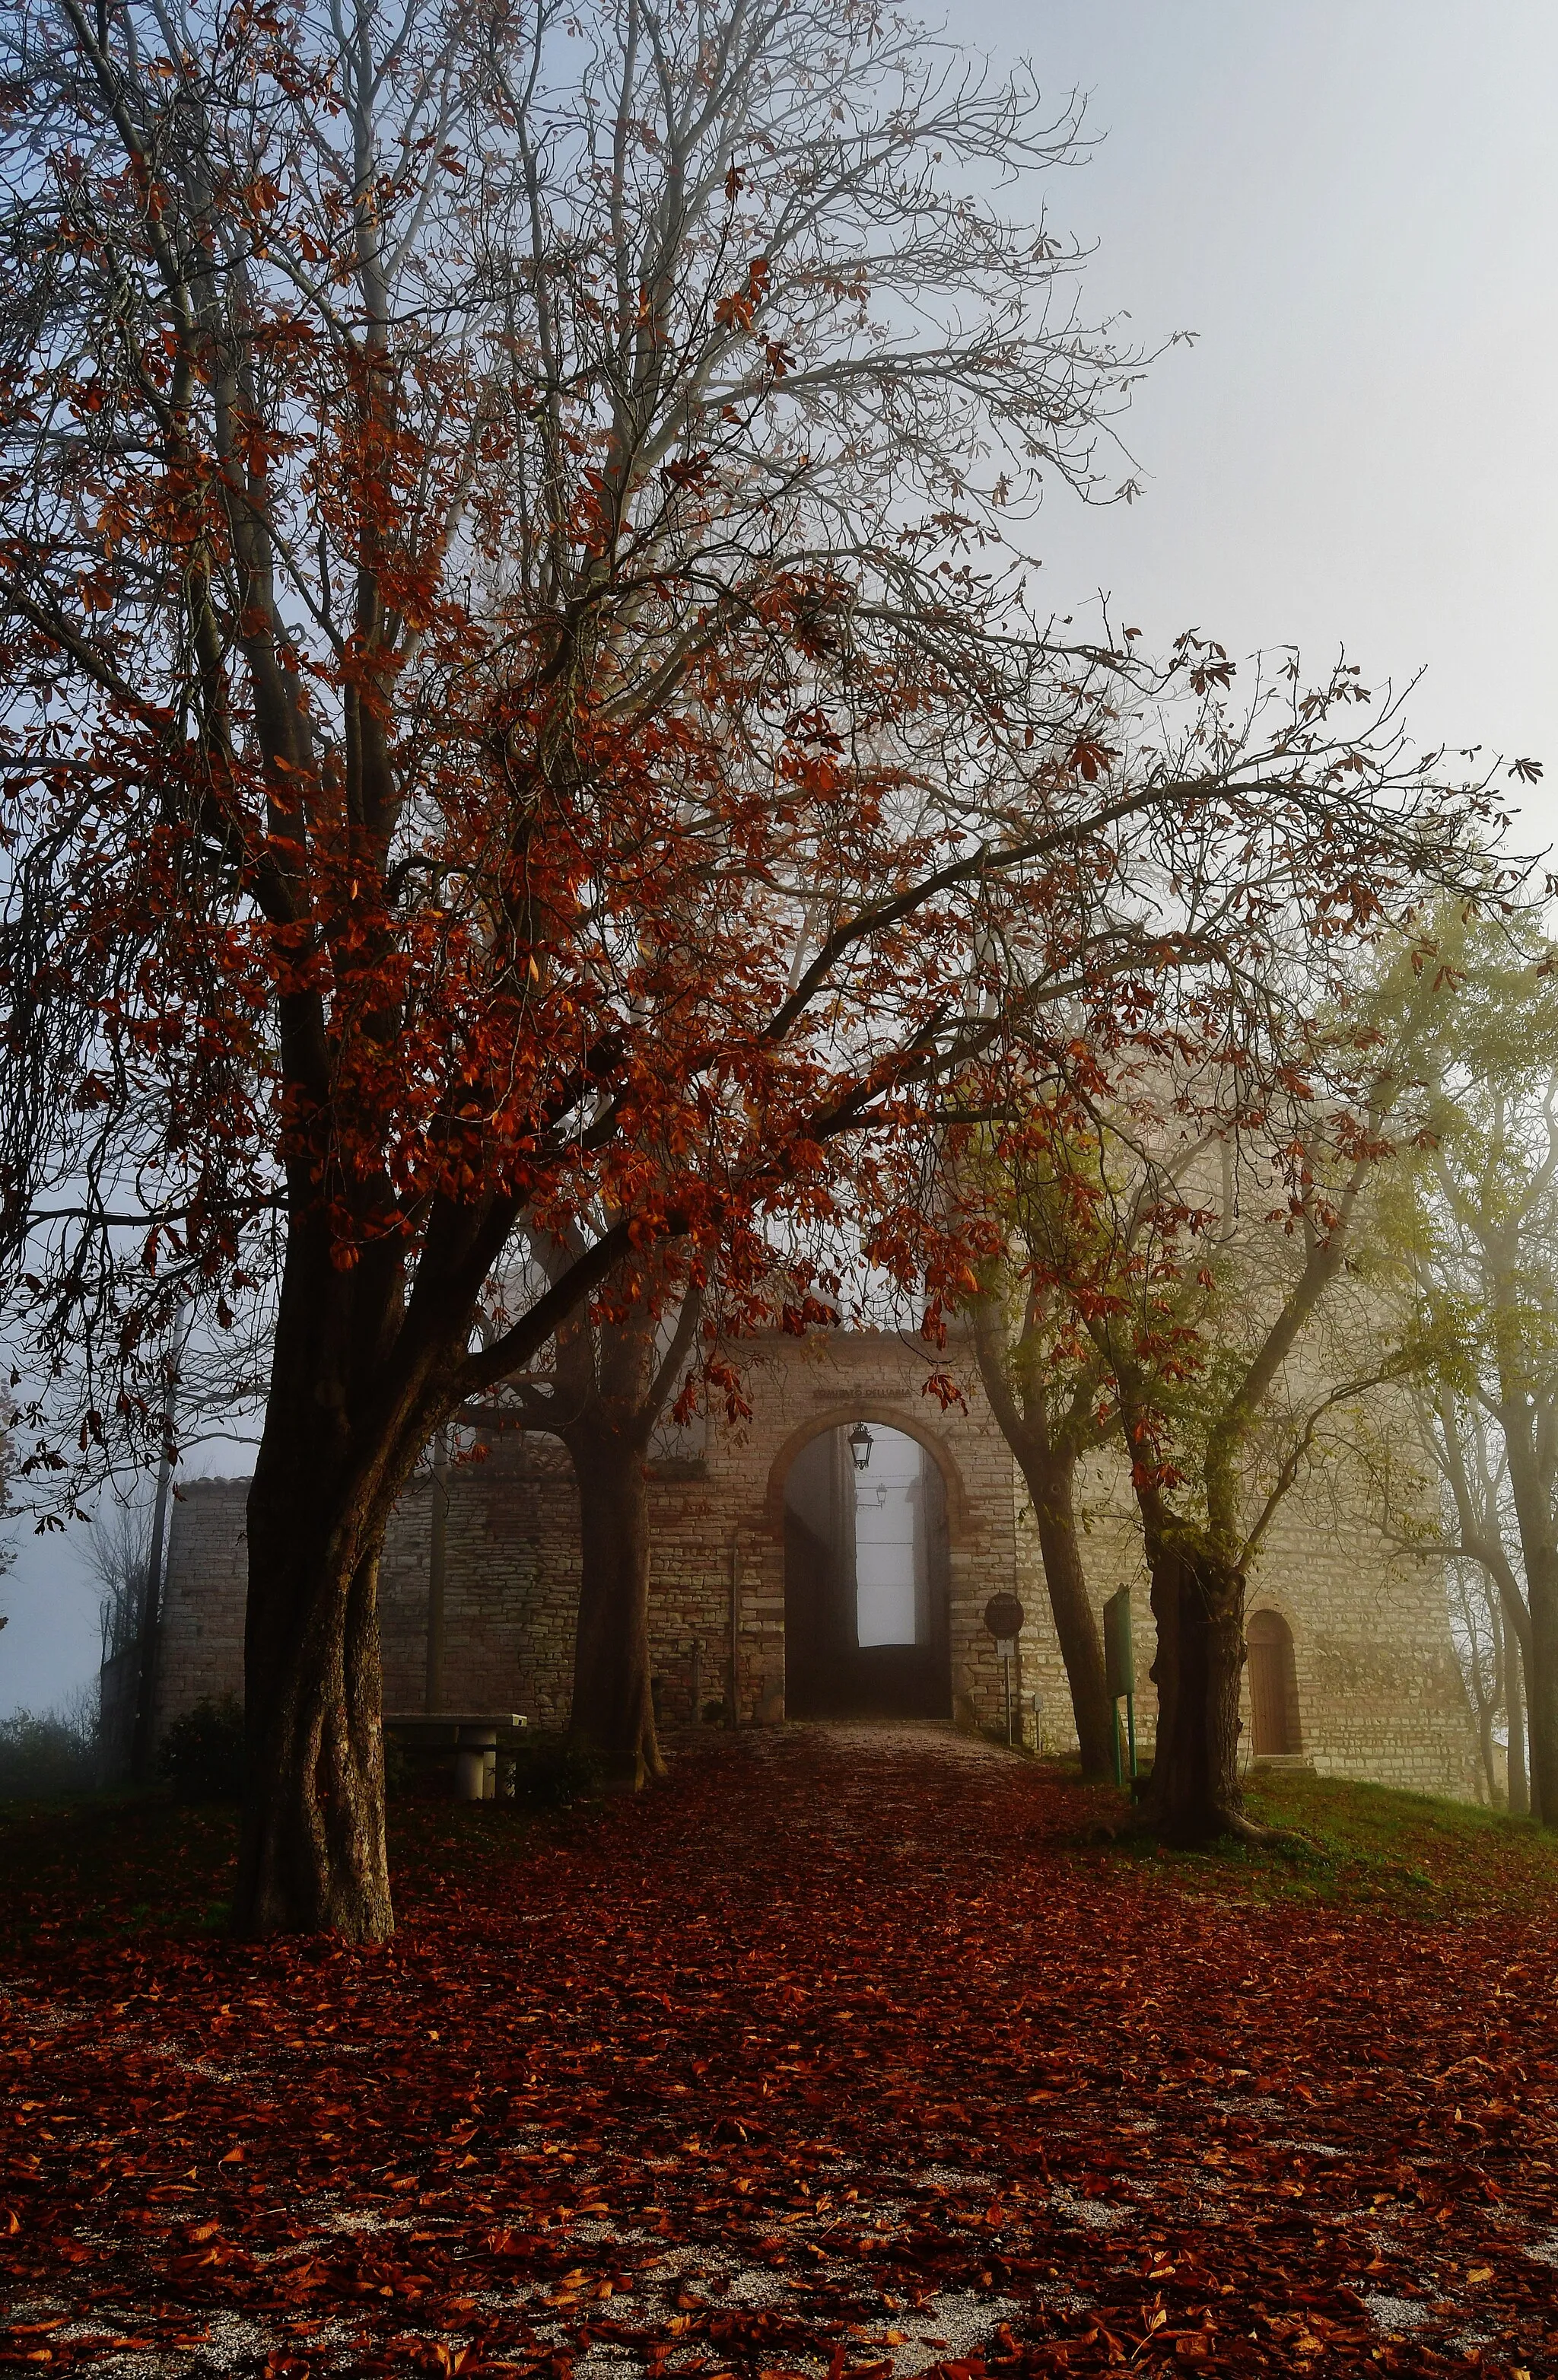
(835,1554)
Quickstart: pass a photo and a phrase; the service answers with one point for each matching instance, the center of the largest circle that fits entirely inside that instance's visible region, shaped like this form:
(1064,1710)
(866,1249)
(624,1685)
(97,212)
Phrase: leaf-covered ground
(840,2054)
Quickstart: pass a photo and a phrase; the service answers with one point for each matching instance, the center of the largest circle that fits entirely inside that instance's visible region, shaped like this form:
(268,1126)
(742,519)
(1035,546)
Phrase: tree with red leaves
(523,725)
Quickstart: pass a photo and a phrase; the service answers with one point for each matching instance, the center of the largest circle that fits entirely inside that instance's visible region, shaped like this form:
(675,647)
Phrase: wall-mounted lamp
(860,1445)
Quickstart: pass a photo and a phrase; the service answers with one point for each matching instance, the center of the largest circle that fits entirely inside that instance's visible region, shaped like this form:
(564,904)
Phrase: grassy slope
(1367,1845)
(113,1863)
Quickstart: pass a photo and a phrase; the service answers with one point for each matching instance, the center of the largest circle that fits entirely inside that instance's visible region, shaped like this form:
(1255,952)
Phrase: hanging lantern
(860,1445)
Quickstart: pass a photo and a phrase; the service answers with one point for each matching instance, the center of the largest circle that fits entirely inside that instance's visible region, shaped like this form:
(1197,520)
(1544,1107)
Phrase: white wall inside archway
(891,1572)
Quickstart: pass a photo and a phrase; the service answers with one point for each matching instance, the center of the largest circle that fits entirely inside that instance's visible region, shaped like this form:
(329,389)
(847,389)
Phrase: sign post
(1119,1668)
(1003,1618)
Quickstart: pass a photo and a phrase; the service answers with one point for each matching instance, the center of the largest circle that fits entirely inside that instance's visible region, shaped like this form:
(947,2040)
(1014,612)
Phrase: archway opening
(1274,1687)
(866,1578)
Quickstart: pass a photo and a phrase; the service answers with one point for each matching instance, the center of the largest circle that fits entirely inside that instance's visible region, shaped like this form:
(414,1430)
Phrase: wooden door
(1271,1658)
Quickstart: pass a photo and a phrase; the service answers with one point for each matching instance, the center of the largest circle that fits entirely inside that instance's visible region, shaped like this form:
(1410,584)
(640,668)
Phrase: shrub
(550,1773)
(46,1752)
(202,1753)
(398,1772)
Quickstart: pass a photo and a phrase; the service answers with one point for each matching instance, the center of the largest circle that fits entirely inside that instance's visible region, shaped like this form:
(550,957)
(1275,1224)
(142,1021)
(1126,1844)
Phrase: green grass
(1368,1845)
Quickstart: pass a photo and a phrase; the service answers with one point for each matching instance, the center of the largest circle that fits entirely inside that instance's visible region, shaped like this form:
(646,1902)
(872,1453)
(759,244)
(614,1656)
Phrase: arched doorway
(1274,1687)
(866,1578)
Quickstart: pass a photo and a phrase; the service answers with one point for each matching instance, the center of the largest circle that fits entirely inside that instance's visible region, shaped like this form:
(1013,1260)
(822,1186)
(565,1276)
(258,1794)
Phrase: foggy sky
(1356,207)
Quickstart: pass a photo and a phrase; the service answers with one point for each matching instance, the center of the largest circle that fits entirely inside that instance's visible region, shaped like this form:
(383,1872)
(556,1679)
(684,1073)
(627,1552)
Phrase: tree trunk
(332,1458)
(1518,1794)
(361,1378)
(611,1386)
(312,1856)
(1541,1692)
(1014,1382)
(1489,1699)
(1051,1483)
(613,1710)
(1531,1488)
(1496,1799)
(1198,1603)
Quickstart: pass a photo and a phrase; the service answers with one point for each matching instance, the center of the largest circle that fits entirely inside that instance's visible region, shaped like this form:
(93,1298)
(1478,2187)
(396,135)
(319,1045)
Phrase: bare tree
(1049,1393)
(119,1552)
(601,1387)
(119,1555)
(1480,1532)
(1478,1252)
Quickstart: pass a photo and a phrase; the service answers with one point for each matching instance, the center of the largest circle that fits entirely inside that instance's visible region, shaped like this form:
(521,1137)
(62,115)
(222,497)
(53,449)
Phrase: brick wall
(1379,1692)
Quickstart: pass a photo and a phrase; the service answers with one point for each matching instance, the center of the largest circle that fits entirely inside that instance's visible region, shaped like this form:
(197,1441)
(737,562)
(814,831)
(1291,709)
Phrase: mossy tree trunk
(1533,1464)
(1050,1476)
(1198,1610)
(1048,1447)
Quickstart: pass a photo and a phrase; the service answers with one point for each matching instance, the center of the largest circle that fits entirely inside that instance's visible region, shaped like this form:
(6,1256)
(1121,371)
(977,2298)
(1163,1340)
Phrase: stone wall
(201,1649)
(1379,1692)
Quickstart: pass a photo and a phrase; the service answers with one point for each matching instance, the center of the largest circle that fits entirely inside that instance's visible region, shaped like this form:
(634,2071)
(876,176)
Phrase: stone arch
(867,1583)
(843,1415)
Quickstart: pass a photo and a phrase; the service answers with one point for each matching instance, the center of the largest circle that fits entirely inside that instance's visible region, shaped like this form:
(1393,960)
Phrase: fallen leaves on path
(828,2058)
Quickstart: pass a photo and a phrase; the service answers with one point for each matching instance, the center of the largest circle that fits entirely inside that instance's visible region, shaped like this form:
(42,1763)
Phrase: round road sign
(1002,1617)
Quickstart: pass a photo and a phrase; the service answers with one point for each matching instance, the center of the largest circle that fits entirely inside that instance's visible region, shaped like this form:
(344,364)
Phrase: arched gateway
(866,1539)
